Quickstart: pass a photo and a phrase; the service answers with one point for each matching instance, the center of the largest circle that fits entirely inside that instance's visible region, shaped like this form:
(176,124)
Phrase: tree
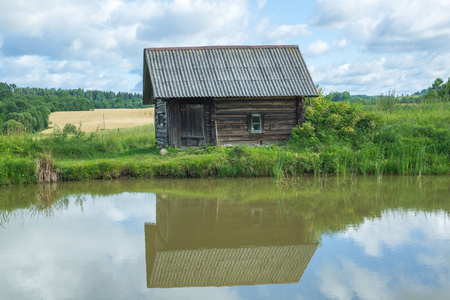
(437,85)
(12,127)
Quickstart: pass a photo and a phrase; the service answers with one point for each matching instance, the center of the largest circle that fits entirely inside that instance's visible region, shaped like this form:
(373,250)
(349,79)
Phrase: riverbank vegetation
(337,138)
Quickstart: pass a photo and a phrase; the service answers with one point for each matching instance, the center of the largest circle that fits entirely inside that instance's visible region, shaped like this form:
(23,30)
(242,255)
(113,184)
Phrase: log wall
(161,123)
(191,122)
(233,118)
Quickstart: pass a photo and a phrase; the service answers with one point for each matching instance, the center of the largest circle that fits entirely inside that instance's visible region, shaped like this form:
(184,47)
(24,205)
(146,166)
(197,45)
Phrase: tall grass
(412,139)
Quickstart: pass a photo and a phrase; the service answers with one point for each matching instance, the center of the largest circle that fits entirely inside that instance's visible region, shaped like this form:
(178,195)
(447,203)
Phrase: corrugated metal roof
(226,72)
(231,266)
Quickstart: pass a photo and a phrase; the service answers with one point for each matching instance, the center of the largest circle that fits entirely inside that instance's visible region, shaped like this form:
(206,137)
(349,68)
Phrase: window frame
(252,123)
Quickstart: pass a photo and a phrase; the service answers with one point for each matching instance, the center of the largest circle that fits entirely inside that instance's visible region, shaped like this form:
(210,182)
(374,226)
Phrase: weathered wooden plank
(249,110)
(273,99)
(273,128)
(290,115)
(161,127)
(265,110)
(256,104)
(173,117)
(233,126)
(220,119)
(231,114)
(223,133)
(280,121)
(253,138)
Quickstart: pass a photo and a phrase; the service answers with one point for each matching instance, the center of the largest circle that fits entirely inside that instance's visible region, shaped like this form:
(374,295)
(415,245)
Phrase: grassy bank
(336,138)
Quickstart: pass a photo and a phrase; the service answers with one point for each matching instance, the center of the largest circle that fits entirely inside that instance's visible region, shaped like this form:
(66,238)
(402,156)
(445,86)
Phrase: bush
(331,121)
(12,127)
(70,128)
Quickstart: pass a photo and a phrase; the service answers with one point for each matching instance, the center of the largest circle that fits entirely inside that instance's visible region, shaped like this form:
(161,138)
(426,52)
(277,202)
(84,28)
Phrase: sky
(360,46)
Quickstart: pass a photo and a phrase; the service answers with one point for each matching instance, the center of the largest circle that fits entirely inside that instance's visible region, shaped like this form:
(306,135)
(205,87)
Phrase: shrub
(12,127)
(328,121)
(70,128)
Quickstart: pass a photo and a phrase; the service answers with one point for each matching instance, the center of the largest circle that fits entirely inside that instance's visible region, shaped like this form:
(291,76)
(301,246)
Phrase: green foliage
(337,138)
(338,97)
(71,129)
(15,170)
(12,127)
(413,139)
(387,103)
(81,100)
(327,121)
(32,106)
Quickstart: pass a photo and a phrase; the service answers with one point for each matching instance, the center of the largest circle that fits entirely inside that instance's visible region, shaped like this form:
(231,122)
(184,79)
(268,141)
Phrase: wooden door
(192,124)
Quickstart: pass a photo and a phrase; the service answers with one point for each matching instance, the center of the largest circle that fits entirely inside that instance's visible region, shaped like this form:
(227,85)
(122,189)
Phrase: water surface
(227,239)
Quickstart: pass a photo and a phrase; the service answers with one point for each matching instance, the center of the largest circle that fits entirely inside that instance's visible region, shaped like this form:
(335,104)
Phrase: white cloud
(108,35)
(341,43)
(388,26)
(261,3)
(371,75)
(318,48)
(284,31)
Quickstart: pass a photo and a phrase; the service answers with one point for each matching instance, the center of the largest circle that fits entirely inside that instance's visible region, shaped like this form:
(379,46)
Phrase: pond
(308,238)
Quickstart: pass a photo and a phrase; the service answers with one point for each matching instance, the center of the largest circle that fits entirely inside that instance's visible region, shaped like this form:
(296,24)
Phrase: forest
(27,109)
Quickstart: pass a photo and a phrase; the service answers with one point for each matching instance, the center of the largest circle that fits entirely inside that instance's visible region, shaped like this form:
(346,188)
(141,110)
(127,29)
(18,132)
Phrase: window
(160,120)
(256,124)
(256,214)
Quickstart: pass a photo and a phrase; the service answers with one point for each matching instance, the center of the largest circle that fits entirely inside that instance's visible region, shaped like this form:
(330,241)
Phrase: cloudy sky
(364,46)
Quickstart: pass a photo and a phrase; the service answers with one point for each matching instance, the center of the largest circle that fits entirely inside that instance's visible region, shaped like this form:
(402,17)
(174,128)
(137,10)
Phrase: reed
(45,169)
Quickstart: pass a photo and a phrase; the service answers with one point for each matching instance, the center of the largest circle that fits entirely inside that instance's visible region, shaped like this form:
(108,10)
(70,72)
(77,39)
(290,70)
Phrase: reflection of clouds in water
(434,260)
(128,205)
(78,254)
(223,293)
(394,229)
(424,235)
(347,280)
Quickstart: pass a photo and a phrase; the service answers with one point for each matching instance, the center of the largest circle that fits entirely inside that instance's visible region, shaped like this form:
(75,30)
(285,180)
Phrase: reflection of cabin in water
(226,94)
(207,243)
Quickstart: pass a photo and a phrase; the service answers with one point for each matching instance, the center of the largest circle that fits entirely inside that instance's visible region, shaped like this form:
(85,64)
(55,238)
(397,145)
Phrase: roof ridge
(223,47)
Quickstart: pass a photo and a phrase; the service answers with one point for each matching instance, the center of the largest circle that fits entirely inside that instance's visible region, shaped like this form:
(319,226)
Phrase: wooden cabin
(226,94)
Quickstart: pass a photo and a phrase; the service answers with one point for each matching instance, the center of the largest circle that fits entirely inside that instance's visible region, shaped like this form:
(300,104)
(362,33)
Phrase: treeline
(439,91)
(27,109)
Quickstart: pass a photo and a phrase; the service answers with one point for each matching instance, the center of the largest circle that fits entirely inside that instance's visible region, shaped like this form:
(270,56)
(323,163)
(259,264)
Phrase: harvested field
(93,120)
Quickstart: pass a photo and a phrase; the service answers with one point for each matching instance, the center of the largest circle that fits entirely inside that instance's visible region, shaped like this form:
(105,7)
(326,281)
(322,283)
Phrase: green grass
(340,141)
(412,140)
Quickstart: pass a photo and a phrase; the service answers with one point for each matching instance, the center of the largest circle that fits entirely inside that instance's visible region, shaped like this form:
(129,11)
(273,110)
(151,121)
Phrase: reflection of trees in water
(30,202)
(4,217)
(329,204)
